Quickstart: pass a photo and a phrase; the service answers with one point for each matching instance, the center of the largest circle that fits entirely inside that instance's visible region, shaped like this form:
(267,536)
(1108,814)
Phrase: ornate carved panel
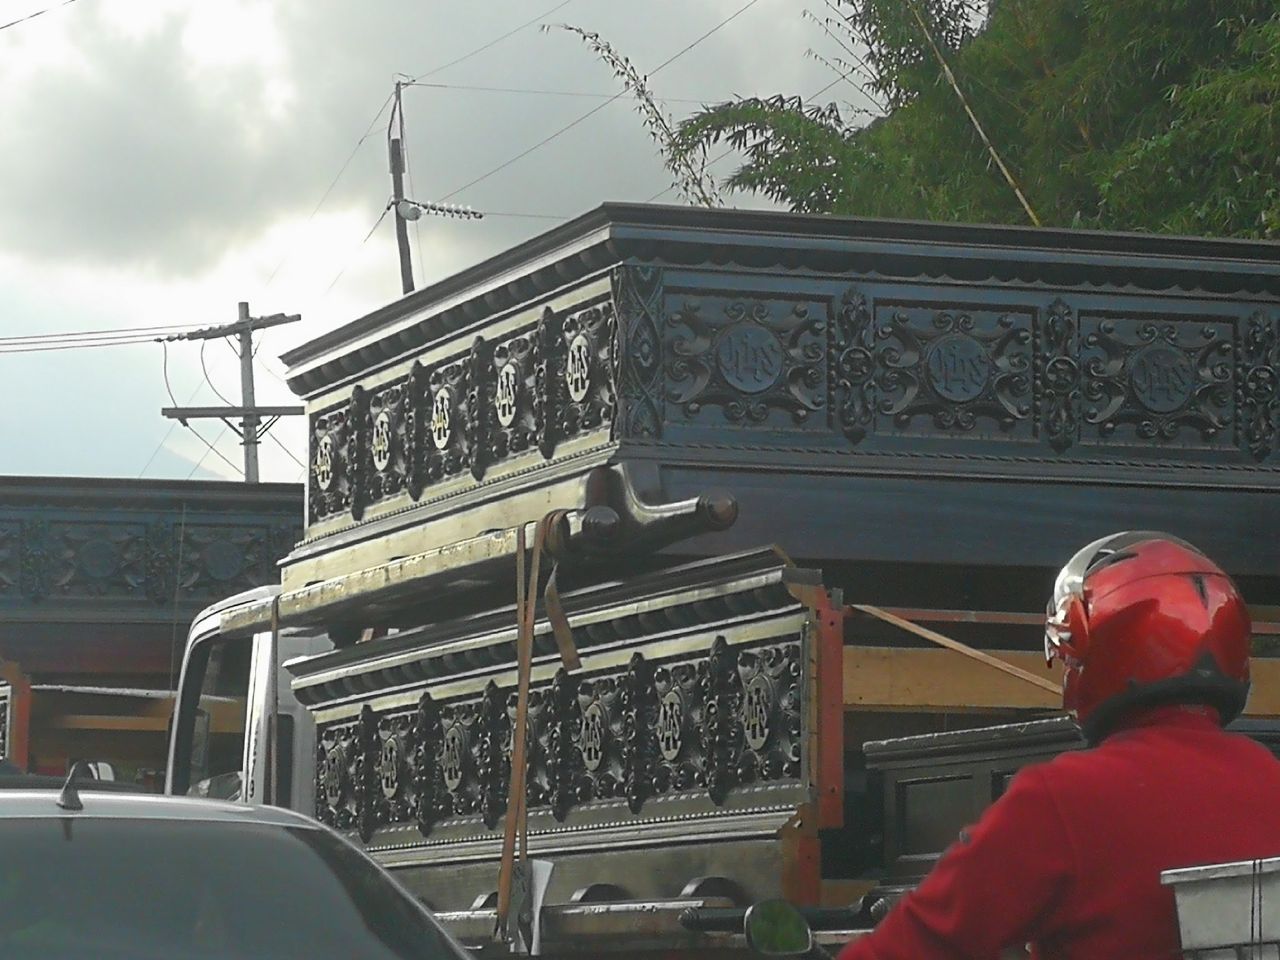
(1057,377)
(81,560)
(953,370)
(1258,384)
(580,388)
(329,486)
(851,344)
(1154,381)
(748,359)
(442,412)
(699,724)
(516,411)
(385,426)
(478,405)
(637,352)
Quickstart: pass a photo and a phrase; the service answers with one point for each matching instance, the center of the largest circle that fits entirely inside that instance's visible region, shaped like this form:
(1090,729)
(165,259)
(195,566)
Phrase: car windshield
(76,888)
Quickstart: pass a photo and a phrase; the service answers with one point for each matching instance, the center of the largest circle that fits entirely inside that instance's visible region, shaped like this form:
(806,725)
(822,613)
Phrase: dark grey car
(135,877)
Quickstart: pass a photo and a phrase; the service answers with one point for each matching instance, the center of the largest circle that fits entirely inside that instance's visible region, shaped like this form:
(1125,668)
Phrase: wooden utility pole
(255,421)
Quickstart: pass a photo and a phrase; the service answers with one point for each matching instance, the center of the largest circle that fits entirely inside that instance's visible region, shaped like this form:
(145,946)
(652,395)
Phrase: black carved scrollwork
(721,731)
(1258,385)
(748,359)
(428,781)
(771,705)
(581,388)
(637,351)
(1140,373)
(954,372)
(563,759)
(546,395)
(417,406)
(329,485)
(494,766)
(515,370)
(1058,378)
(636,703)
(477,424)
(851,352)
(357,450)
(366,779)
(386,455)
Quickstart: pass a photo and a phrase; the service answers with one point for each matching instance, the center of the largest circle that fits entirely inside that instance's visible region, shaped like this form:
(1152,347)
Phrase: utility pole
(396,146)
(252,427)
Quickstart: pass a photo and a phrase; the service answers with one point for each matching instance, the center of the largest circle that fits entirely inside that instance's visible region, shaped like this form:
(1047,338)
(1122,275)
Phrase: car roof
(28,804)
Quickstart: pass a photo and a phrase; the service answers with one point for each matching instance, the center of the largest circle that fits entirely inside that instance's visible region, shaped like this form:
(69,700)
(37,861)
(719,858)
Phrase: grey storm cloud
(143,158)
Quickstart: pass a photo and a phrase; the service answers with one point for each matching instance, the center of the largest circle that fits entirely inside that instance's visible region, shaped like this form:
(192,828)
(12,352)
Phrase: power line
(199,436)
(83,334)
(594,110)
(272,438)
(377,223)
(207,379)
(77,345)
(38,13)
(378,116)
(494,42)
(534,91)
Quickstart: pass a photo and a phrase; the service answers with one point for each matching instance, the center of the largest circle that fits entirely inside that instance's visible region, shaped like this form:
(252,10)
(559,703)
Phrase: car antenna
(69,798)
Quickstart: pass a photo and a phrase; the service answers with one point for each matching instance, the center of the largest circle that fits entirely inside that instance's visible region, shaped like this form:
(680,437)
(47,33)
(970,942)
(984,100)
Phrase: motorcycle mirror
(774,928)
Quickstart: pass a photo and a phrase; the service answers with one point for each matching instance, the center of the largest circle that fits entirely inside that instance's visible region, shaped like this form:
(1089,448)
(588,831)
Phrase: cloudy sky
(162,160)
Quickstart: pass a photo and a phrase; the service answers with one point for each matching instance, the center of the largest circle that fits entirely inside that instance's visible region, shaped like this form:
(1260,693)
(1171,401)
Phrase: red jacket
(1069,859)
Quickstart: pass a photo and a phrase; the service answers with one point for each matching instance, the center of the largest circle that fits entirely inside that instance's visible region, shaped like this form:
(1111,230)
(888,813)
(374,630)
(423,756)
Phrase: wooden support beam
(896,678)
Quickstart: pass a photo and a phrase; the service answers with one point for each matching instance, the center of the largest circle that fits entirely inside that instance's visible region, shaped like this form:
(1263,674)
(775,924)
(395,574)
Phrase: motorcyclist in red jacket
(1154,639)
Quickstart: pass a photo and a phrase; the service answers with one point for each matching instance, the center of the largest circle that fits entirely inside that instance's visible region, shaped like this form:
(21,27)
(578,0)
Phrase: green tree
(1156,115)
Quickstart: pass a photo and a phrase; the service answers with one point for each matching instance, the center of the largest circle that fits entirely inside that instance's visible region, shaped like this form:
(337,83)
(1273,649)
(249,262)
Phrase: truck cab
(238,732)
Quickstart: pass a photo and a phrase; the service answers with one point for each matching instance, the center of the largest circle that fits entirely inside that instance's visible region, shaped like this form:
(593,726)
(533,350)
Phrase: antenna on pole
(407,210)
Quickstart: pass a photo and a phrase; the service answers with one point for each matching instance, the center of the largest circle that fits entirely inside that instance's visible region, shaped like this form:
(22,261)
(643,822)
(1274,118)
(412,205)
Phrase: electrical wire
(533,91)
(596,109)
(38,13)
(377,223)
(378,116)
(272,438)
(169,389)
(83,334)
(208,379)
(494,42)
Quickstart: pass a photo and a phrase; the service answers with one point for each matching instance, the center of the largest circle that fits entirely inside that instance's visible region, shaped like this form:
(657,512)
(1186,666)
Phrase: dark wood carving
(478,400)
(747,357)
(851,353)
(721,728)
(1057,383)
(580,389)
(329,486)
(637,351)
(493,761)
(428,778)
(770,715)
(956,368)
(700,724)
(515,370)
(546,393)
(366,757)
(95,558)
(386,422)
(1158,378)
(1258,384)
(637,703)
(564,766)
(356,454)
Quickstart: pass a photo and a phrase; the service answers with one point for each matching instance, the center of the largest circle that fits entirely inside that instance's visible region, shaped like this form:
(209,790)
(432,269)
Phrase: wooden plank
(895,678)
(83,721)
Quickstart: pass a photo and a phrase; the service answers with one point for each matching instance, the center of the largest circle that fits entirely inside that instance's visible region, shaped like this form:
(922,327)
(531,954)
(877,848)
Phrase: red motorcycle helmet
(1140,619)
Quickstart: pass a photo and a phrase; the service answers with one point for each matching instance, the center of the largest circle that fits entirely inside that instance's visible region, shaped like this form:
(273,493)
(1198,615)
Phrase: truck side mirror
(774,928)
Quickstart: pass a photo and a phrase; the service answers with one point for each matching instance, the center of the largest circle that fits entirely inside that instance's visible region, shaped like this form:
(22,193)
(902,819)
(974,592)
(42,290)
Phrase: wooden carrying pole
(944,641)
